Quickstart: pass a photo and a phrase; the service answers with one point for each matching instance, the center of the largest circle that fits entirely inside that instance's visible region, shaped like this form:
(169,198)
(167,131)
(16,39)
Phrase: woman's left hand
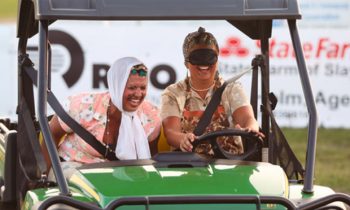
(257,133)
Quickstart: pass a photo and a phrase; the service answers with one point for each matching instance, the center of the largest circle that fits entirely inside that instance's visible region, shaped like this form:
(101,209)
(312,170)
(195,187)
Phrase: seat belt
(213,104)
(25,117)
(105,151)
(209,110)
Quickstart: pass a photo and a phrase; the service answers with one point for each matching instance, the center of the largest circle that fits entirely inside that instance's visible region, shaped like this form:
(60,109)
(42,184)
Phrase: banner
(83,51)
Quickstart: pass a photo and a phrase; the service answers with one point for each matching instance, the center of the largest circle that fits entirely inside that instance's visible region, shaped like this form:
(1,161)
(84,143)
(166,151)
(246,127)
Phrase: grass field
(332,155)
(8,10)
(332,166)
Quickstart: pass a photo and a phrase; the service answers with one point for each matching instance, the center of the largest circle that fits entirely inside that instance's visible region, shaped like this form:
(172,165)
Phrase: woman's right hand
(186,142)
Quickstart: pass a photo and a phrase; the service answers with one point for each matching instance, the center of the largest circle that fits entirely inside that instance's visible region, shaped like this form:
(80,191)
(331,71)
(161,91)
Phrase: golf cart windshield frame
(252,17)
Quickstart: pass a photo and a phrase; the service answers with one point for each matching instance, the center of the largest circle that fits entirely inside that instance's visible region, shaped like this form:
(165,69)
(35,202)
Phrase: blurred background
(324,31)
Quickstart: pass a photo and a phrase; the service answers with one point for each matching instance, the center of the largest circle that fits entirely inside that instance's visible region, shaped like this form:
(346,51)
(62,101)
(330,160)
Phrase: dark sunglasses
(140,72)
(203,57)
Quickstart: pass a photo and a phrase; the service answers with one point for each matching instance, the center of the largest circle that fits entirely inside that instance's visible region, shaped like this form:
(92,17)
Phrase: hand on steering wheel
(252,137)
(258,134)
(186,142)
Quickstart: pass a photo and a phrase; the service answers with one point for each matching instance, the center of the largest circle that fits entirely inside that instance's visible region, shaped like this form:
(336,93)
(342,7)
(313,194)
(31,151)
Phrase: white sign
(81,57)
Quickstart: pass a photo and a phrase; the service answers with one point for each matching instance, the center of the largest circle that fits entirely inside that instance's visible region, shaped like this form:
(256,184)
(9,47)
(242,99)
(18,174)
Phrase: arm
(57,133)
(238,104)
(244,117)
(173,99)
(174,136)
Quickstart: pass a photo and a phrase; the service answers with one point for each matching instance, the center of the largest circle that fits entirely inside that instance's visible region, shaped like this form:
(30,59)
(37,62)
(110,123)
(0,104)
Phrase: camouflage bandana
(198,37)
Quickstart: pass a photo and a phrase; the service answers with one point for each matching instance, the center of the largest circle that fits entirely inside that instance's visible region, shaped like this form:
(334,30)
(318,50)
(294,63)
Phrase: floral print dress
(90,111)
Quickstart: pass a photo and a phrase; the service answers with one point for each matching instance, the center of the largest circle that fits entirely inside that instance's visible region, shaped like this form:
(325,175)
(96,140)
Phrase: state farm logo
(233,47)
(320,48)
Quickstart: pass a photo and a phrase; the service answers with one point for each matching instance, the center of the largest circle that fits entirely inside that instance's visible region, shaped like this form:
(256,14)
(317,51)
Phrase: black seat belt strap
(105,151)
(209,110)
(30,131)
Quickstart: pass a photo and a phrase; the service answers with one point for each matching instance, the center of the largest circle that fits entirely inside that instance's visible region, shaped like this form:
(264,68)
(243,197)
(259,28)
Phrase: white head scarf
(132,141)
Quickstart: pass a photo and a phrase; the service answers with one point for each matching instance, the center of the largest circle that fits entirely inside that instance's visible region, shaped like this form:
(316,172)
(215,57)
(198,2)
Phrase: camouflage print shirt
(180,101)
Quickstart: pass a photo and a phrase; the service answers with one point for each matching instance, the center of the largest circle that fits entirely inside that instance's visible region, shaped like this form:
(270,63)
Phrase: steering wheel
(250,138)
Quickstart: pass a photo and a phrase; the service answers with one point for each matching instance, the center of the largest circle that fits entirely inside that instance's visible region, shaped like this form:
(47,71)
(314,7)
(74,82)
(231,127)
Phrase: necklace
(200,90)
(107,123)
(109,146)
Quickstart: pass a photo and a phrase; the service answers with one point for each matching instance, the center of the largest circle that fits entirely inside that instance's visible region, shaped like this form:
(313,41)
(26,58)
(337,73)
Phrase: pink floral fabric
(90,110)
(150,119)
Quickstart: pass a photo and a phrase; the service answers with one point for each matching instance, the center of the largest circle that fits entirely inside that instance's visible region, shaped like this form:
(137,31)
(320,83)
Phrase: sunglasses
(140,72)
(203,57)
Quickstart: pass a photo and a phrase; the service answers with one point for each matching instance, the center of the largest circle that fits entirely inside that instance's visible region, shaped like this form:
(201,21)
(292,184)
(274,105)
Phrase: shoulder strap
(105,151)
(209,110)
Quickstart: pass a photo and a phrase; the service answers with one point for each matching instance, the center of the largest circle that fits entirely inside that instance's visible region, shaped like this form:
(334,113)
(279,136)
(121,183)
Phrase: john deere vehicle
(266,176)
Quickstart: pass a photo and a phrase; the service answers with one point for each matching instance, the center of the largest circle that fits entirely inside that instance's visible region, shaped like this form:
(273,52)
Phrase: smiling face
(202,73)
(134,92)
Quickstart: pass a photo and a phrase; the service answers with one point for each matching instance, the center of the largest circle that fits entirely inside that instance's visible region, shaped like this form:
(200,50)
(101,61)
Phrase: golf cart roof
(31,11)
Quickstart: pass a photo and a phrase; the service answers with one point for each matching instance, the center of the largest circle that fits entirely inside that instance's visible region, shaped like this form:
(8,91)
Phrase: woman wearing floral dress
(110,116)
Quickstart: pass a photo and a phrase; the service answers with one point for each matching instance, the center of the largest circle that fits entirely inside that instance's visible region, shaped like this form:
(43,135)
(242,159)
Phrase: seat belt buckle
(108,150)
(109,153)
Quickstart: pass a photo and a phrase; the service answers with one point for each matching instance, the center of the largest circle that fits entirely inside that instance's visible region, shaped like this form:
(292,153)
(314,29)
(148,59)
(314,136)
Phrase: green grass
(8,10)
(332,167)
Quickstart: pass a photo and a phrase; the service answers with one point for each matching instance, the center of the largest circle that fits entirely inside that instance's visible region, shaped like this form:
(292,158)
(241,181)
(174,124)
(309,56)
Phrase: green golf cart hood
(105,182)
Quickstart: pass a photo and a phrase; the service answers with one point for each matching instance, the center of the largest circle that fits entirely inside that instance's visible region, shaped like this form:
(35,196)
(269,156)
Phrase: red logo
(233,47)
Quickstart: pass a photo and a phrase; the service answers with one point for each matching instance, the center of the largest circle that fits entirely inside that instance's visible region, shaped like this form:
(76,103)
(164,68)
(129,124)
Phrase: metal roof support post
(22,47)
(254,91)
(311,107)
(42,106)
(264,39)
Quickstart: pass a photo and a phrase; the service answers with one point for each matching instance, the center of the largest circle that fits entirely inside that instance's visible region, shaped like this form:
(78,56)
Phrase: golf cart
(266,176)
